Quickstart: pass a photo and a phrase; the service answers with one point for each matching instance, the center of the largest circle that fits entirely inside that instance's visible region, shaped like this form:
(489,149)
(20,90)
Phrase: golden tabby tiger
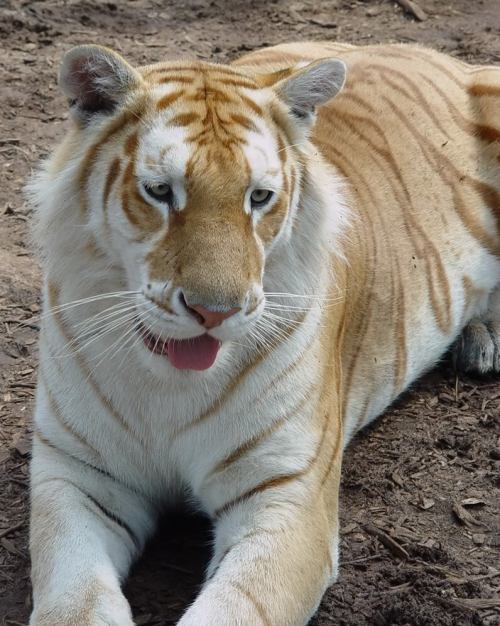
(239,274)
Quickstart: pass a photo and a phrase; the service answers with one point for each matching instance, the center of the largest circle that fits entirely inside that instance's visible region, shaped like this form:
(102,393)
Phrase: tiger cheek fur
(222,312)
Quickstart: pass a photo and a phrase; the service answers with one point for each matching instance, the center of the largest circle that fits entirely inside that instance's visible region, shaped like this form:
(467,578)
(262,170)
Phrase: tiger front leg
(274,557)
(85,530)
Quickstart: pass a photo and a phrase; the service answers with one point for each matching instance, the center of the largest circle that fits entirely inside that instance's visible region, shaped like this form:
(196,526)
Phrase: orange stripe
(116,125)
(59,417)
(362,322)
(254,441)
(486,133)
(278,481)
(197,68)
(109,516)
(424,56)
(38,435)
(451,175)
(131,144)
(183,119)
(417,97)
(337,448)
(169,99)
(131,216)
(428,252)
(484,90)
(256,604)
(251,105)
(167,70)
(140,213)
(235,82)
(176,79)
(243,120)
(113,173)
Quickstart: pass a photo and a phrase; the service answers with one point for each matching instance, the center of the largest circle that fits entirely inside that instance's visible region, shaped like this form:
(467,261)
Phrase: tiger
(245,264)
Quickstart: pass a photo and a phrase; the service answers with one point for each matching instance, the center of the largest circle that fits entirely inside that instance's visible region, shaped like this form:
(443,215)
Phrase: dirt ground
(421,489)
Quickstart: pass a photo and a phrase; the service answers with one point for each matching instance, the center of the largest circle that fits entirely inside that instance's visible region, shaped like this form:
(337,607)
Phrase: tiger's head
(190,176)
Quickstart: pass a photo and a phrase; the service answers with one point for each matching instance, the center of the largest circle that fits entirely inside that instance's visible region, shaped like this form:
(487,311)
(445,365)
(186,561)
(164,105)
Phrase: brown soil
(420,496)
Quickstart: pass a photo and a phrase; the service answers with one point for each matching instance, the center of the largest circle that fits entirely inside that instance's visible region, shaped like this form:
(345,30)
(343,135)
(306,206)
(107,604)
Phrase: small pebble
(495,454)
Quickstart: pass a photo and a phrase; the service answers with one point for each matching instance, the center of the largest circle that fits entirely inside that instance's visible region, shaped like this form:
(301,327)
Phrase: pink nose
(211,319)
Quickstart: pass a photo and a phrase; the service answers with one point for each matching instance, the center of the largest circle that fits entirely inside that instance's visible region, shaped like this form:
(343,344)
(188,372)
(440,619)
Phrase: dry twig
(412,7)
(11,529)
(396,548)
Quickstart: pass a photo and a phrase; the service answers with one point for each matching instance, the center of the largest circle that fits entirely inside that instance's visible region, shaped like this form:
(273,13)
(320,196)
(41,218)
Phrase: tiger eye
(260,197)
(162,192)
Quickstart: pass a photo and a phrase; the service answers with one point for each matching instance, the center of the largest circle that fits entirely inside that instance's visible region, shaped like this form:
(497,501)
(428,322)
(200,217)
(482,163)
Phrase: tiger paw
(478,348)
(102,610)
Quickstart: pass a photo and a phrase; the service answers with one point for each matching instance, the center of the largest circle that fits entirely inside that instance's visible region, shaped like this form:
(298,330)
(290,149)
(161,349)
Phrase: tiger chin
(243,266)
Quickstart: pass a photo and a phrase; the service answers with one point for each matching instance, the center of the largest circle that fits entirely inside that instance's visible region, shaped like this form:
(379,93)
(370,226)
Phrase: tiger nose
(211,319)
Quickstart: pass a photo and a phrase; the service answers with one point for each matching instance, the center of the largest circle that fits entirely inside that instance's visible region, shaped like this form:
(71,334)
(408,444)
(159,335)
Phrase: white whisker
(97,320)
(104,313)
(123,339)
(107,328)
(75,303)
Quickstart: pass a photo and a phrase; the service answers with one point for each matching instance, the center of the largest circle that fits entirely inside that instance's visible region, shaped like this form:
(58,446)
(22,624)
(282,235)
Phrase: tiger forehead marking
(209,130)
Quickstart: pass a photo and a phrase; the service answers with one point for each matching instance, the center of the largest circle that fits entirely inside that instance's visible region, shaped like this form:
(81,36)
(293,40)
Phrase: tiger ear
(311,86)
(95,80)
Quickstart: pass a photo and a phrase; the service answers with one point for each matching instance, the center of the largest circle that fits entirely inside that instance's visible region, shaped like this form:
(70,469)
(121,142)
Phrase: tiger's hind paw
(477,350)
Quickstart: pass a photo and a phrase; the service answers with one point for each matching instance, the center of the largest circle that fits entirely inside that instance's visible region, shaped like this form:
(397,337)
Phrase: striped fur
(384,225)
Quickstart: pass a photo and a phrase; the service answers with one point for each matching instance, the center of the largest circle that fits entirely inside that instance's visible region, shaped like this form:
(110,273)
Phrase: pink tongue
(198,353)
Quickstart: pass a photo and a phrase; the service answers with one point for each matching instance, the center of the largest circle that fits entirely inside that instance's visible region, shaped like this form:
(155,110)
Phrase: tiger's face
(192,181)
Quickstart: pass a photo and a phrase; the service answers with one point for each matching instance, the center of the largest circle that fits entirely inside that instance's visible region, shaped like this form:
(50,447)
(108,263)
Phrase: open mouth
(195,353)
